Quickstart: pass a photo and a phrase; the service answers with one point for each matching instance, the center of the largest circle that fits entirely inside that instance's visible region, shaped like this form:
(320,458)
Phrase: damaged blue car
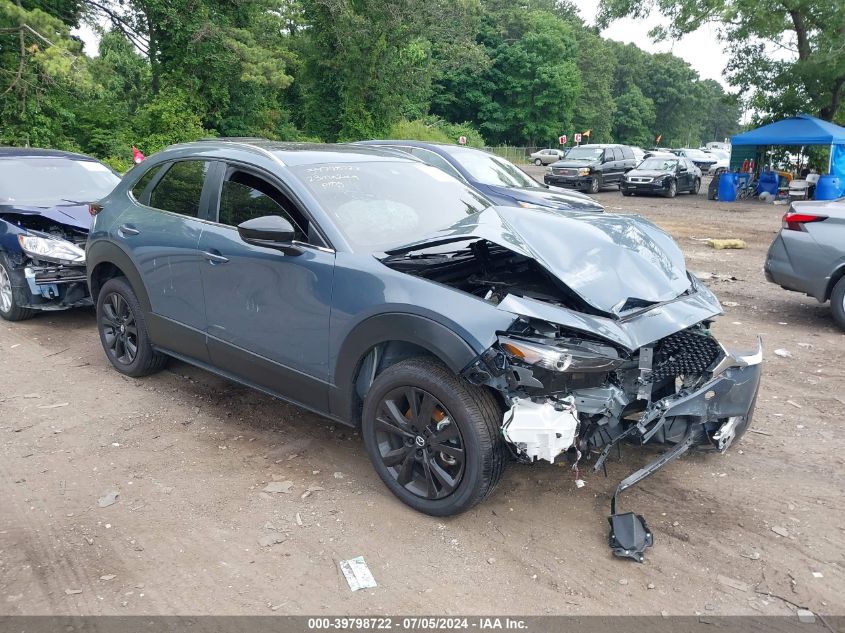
(383,293)
(44,221)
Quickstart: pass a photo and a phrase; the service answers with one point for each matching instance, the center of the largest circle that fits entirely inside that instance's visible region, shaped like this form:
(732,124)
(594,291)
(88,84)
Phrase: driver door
(267,311)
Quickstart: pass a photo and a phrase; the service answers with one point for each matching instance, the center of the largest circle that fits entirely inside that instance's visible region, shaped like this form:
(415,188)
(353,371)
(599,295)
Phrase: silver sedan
(546,156)
(808,255)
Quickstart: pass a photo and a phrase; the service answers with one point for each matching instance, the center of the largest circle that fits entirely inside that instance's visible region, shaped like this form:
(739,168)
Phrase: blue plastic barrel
(727,187)
(768,182)
(829,187)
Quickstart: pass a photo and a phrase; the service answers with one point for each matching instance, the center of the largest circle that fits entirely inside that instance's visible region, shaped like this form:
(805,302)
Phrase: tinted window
(138,189)
(245,197)
(435,160)
(489,169)
(52,180)
(180,188)
(383,204)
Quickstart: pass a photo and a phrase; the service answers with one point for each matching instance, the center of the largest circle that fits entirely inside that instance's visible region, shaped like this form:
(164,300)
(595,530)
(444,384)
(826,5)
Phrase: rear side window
(180,188)
(435,160)
(627,154)
(141,185)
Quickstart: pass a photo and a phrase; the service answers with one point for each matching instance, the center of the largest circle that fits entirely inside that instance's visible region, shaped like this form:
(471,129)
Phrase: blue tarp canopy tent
(801,130)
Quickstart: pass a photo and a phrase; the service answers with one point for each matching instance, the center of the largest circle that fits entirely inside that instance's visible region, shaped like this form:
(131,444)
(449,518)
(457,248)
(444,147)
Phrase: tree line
(495,71)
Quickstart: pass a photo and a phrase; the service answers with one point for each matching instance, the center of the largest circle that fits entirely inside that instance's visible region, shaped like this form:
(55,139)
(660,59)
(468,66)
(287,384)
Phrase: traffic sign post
(462,140)
(577,139)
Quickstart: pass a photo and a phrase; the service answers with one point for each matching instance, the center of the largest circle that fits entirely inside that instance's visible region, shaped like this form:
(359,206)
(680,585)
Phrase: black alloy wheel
(119,329)
(419,444)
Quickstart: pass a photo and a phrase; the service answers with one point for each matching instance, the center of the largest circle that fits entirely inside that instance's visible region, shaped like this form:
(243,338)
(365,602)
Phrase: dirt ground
(758,530)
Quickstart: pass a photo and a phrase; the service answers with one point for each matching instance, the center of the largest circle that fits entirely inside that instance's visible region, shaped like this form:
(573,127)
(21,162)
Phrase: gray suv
(383,293)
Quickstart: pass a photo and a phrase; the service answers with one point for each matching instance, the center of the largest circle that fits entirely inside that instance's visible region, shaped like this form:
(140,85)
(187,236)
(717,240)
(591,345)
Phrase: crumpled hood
(558,198)
(72,215)
(606,259)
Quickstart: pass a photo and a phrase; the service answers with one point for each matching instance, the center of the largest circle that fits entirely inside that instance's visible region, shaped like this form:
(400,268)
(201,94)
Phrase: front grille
(683,354)
(641,179)
(564,171)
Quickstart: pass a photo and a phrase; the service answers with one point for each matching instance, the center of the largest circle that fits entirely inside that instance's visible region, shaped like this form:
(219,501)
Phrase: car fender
(835,276)
(436,338)
(102,251)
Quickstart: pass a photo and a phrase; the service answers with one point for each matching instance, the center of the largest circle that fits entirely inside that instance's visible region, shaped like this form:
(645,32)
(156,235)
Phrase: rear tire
(696,186)
(123,331)
(837,303)
(9,279)
(433,438)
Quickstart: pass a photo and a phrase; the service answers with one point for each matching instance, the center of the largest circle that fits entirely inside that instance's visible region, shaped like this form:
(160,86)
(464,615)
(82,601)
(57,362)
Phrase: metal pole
(830,160)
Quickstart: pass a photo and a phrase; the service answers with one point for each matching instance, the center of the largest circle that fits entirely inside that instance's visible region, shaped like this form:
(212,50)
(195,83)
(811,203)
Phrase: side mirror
(269,231)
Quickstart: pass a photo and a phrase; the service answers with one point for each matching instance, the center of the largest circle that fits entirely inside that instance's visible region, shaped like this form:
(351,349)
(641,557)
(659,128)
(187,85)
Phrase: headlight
(574,357)
(51,249)
(584,171)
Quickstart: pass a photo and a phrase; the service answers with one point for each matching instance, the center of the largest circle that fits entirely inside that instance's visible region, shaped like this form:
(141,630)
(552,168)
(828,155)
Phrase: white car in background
(722,163)
(639,153)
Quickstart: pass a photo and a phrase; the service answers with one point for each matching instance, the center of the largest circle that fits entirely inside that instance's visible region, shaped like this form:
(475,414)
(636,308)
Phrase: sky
(701,49)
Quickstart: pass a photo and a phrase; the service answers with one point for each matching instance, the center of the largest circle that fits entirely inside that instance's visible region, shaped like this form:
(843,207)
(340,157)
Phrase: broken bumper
(54,287)
(717,413)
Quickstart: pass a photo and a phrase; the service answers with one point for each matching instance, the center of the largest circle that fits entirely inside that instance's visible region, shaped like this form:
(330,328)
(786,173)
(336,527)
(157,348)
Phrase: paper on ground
(357,573)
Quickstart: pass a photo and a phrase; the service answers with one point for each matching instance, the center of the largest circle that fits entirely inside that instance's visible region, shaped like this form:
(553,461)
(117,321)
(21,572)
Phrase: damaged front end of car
(46,259)
(611,343)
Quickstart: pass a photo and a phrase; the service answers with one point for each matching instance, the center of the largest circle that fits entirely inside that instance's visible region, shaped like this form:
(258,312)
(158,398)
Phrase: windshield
(491,170)
(697,154)
(660,164)
(378,205)
(584,153)
(48,181)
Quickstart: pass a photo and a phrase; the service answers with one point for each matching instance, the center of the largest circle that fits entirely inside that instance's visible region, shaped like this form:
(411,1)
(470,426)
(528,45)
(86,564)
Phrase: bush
(433,129)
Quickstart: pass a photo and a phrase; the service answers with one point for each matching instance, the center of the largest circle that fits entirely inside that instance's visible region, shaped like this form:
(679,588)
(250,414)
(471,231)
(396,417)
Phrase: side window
(141,185)
(627,154)
(435,160)
(180,188)
(244,197)
(617,153)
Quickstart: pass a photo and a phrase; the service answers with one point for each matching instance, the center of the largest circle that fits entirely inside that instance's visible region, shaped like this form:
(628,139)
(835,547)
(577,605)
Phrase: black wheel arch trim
(103,252)
(438,339)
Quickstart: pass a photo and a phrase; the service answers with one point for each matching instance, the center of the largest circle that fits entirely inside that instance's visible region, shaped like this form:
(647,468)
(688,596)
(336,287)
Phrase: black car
(662,175)
(499,180)
(591,167)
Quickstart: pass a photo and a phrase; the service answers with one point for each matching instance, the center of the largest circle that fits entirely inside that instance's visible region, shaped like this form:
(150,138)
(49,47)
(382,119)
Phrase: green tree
(594,109)
(634,117)
(812,78)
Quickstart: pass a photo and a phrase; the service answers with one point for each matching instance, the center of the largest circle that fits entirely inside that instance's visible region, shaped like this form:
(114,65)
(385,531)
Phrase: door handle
(214,258)
(127,229)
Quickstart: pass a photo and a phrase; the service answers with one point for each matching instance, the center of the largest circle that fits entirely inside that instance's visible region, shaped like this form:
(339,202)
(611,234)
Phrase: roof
(291,153)
(798,130)
(16,152)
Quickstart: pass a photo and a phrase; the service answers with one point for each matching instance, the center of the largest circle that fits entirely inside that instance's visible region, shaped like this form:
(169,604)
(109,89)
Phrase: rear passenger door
(613,168)
(161,232)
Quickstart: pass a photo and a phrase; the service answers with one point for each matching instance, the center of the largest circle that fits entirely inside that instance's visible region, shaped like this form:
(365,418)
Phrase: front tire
(9,308)
(123,331)
(672,191)
(433,438)
(837,303)
(595,184)
(538,162)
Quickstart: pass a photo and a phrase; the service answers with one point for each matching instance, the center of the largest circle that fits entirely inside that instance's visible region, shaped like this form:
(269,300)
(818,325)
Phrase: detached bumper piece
(718,412)
(55,287)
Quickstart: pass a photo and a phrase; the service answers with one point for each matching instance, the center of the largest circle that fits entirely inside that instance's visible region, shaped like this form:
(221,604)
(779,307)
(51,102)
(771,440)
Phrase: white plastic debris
(783,353)
(580,483)
(805,616)
(357,573)
(540,430)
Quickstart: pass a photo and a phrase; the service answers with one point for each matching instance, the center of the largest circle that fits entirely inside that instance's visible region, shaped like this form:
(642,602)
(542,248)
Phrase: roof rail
(244,141)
